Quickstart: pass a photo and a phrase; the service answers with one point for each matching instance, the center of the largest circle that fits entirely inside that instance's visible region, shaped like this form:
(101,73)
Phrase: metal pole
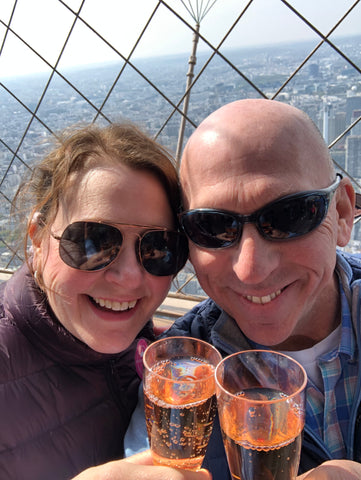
(190,74)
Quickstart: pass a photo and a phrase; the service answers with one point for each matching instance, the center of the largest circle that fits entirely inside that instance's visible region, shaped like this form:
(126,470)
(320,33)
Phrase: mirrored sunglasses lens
(89,245)
(211,229)
(163,252)
(292,218)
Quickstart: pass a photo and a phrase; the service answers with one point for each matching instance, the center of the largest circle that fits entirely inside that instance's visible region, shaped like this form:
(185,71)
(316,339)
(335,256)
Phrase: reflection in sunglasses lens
(92,246)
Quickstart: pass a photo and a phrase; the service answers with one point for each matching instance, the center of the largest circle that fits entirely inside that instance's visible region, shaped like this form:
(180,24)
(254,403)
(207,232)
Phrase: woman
(75,317)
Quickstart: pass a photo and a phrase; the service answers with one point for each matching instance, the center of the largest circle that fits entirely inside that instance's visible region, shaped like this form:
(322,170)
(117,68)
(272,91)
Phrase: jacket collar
(227,336)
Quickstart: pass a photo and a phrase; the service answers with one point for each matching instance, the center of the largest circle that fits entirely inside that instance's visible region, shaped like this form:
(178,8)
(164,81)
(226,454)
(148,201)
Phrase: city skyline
(326,78)
(135,100)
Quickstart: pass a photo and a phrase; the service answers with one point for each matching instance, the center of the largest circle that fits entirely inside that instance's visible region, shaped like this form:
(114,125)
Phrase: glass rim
(258,402)
(181,337)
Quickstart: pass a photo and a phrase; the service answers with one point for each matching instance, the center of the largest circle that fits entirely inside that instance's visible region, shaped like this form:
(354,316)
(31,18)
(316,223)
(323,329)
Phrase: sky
(45,24)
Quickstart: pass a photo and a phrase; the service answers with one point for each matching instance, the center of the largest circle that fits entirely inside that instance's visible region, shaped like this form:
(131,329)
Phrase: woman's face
(106,309)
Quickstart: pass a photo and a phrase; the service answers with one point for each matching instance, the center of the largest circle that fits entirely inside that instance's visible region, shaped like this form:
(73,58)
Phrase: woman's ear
(345,205)
(34,227)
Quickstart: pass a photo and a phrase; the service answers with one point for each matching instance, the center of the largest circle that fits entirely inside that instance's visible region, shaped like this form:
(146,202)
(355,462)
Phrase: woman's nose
(126,267)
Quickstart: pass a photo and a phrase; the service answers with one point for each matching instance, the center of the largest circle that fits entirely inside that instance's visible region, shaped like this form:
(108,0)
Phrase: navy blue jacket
(208,322)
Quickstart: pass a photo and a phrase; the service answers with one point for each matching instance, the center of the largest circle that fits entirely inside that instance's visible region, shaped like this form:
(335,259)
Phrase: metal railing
(321,75)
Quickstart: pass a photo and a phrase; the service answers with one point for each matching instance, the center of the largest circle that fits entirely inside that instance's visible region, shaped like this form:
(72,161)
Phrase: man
(264,213)
(265,253)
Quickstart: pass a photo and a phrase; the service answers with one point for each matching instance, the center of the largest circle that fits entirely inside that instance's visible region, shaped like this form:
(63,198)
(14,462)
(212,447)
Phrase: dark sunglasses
(92,246)
(283,219)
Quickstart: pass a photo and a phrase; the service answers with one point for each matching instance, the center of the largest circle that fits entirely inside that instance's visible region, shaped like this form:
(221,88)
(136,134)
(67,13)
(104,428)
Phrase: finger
(334,470)
(143,458)
(141,472)
(126,470)
(304,476)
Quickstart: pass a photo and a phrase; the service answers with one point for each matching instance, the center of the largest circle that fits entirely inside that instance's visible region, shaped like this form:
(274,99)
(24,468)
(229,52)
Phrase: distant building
(327,108)
(352,103)
(338,155)
(314,70)
(356,130)
(337,125)
(353,155)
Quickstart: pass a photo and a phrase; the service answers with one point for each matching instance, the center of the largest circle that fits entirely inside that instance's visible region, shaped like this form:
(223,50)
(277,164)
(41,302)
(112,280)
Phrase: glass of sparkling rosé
(180,401)
(261,406)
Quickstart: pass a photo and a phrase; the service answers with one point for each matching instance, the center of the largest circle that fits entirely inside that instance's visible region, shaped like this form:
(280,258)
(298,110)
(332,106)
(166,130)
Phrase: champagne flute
(179,398)
(261,405)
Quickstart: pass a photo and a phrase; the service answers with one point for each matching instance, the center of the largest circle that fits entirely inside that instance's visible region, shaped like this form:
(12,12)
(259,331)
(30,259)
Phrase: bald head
(261,137)
(236,170)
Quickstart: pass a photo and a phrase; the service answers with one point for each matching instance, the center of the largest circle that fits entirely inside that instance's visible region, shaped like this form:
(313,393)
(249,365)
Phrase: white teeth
(116,306)
(265,299)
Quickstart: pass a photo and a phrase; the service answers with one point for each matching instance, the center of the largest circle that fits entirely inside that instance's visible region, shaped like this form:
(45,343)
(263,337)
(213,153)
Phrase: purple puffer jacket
(63,406)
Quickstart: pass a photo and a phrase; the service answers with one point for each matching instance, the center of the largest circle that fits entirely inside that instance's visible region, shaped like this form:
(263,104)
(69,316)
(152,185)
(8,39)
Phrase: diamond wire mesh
(319,75)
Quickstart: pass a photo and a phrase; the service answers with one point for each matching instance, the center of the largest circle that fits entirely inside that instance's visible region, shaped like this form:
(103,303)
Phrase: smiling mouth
(265,299)
(115,306)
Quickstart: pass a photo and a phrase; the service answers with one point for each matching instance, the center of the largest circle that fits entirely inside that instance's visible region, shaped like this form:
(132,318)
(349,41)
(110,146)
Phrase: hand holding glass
(261,405)
(179,397)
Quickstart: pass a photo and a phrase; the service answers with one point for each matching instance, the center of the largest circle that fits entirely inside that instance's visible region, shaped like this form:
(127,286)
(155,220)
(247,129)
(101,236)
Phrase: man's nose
(254,258)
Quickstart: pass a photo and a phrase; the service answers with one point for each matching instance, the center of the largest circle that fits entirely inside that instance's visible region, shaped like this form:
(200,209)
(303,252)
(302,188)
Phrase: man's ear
(345,205)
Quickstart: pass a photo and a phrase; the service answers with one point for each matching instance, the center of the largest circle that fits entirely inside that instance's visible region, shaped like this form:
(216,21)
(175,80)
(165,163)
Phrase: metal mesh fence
(83,61)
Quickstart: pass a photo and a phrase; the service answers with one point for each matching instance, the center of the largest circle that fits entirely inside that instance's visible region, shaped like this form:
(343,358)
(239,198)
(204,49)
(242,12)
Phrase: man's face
(281,294)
